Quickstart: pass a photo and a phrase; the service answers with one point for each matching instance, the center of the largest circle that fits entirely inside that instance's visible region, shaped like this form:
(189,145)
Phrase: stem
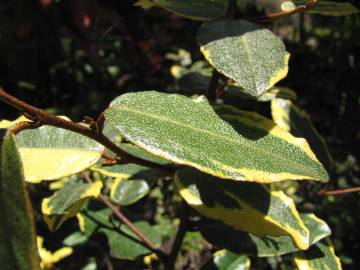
(339,191)
(214,82)
(125,220)
(182,229)
(44,118)
(278,15)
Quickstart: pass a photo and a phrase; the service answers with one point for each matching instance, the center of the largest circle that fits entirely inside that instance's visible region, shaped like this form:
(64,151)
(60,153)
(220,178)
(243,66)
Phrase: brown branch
(339,191)
(176,246)
(126,221)
(278,15)
(45,118)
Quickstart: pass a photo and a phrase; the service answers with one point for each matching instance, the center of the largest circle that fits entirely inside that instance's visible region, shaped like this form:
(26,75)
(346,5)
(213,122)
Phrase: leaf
(226,260)
(50,153)
(225,236)
(48,258)
(126,192)
(123,243)
(290,118)
(332,8)
(245,207)
(67,202)
(320,256)
(188,132)
(140,153)
(17,231)
(128,171)
(252,56)
(202,10)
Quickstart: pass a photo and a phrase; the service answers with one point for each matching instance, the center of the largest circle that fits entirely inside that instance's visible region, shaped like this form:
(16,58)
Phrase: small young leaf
(17,232)
(67,202)
(252,56)
(226,260)
(245,207)
(319,256)
(188,131)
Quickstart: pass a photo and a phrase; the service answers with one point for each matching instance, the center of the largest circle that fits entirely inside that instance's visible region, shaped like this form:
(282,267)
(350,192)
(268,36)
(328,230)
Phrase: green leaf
(202,10)
(67,202)
(225,236)
(290,118)
(50,153)
(126,192)
(320,256)
(188,132)
(128,171)
(252,56)
(140,153)
(245,207)
(226,260)
(123,243)
(17,232)
(332,8)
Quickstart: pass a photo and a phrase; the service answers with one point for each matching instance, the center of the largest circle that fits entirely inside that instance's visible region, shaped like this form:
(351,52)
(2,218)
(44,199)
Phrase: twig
(176,246)
(126,221)
(43,118)
(339,191)
(213,86)
(275,16)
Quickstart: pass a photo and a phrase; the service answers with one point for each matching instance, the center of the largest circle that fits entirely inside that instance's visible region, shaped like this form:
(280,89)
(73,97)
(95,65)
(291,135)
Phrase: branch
(40,118)
(126,221)
(339,191)
(278,15)
(176,246)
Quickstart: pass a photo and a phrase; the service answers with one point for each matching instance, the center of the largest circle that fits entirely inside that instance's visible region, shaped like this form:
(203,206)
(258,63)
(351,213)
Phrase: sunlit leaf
(292,119)
(252,56)
(320,256)
(239,242)
(49,153)
(189,132)
(245,207)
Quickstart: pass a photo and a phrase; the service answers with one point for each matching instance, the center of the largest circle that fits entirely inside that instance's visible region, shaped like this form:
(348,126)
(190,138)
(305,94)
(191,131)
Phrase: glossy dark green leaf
(126,192)
(187,131)
(224,236)
(226,260)
(202,10)
(17,232)
(252,56)
(292,119)
(123,243)
(50,153)
(67,202)
(319,256)
(245,207)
